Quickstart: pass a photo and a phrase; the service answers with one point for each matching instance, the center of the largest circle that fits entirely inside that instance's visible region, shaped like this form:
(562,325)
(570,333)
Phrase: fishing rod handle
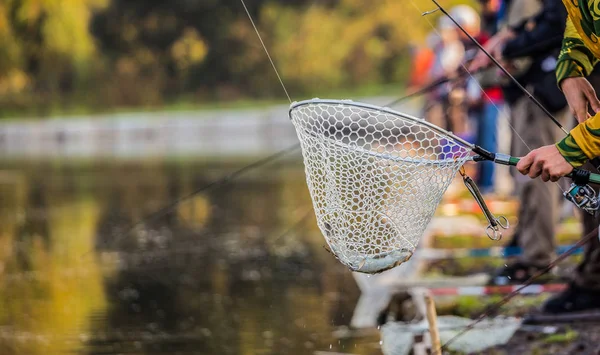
(578,175)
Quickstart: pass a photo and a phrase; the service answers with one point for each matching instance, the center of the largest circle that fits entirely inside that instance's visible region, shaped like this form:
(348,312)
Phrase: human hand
(494,46)
(509,66)
(480,61)
(545,161)
(580,95)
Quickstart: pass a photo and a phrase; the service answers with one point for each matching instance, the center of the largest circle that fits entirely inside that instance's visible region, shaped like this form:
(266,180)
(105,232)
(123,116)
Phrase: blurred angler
(468,18)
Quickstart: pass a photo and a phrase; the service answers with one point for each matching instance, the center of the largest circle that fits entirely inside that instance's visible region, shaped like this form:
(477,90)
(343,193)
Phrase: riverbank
(70,110)
(216,134)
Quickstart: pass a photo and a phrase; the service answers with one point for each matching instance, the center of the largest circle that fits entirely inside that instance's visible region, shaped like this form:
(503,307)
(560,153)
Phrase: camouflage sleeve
(575,59)
(569,149)
(582,143)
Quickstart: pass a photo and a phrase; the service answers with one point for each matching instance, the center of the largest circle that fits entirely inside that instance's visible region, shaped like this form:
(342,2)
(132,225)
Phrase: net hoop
(295,105)
(375,177)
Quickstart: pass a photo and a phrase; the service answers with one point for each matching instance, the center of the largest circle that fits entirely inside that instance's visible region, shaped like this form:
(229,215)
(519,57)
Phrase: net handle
(579,176)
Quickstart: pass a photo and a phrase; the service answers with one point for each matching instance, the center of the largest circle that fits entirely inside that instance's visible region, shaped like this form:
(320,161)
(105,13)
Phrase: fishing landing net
(375,177)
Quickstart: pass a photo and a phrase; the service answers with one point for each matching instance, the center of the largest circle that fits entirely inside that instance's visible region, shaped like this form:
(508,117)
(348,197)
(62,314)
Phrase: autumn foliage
(123,53)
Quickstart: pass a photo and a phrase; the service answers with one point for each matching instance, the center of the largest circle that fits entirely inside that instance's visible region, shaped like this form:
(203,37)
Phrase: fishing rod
(500,66)
(595,161)
(230,177)
(462,72)
(426,89)
(579,193)
(205,188)
(441,81)
(584,197)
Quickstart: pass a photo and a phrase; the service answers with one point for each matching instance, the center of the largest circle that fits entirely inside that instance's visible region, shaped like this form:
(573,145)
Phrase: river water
(237,269)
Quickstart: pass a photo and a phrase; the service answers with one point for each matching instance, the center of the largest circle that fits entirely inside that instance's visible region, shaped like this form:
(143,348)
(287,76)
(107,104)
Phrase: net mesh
(375,177)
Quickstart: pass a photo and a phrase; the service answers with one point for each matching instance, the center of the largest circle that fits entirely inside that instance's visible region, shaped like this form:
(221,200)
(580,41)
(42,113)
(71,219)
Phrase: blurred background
(89,56)
(114,110)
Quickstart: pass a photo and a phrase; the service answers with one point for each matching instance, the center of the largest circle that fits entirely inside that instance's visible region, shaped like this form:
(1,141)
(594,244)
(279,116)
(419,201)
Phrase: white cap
(466,16)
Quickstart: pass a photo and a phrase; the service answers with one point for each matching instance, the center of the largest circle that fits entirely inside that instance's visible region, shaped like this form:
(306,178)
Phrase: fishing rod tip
(430,12)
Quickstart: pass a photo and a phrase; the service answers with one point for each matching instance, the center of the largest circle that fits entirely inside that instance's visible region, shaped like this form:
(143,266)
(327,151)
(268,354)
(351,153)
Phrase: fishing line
(509,75)
(266,51)
(500,112)
(496,306)
(560,258)
(462,73)
(229,178)
(595,161)
(427,88)
(422,91)
(220,182)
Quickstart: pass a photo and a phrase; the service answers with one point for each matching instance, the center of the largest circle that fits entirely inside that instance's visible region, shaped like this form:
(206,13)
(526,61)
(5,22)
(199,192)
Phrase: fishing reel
(584,197)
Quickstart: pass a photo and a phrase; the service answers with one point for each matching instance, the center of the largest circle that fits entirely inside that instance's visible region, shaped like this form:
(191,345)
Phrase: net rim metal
(449,135)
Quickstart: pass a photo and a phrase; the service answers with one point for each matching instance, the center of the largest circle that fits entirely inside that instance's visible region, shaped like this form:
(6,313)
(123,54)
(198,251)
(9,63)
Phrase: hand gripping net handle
(375,177)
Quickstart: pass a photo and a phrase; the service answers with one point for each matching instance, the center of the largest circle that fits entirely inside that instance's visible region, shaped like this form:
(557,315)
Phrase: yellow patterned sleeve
(575,59)
(583,143)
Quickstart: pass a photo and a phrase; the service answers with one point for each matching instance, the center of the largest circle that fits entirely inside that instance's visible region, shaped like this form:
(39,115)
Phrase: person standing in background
(449,53)
(578,79)
(485,106)
(529,46)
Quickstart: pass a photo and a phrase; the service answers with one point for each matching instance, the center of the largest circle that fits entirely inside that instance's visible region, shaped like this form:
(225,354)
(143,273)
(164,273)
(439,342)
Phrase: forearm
(583,143)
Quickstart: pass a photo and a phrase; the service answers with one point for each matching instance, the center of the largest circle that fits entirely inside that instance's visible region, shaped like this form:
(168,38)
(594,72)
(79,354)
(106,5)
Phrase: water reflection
(223,273)
(48,292)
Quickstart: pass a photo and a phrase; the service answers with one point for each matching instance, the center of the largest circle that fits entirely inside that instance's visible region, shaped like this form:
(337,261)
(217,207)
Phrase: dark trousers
(538,211)
(587,273)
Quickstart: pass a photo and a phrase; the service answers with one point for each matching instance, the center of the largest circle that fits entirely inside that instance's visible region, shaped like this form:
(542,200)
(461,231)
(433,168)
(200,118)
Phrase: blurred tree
(210,47)
(12,78)
(110,53)
(47,46)
(186,43)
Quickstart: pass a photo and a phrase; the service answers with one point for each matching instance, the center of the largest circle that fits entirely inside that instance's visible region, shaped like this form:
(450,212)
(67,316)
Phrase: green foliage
(47,48)
(474,306)
(567,337)
(58,54)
